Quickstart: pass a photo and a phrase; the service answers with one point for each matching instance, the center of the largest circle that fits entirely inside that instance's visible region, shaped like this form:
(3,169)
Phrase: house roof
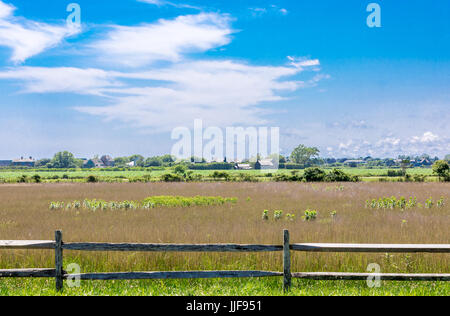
(266,162)
(30,159)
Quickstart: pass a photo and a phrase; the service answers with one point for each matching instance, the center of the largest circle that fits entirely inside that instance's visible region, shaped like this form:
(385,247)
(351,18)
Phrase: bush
(217,175)
(212,166)
(92,179)
(36,178)
(314,175)
(395,173)
(23,179)
(169,177)
(338,176)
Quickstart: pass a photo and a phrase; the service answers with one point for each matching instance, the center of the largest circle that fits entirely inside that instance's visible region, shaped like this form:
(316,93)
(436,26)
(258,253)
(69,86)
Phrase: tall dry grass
(24,214)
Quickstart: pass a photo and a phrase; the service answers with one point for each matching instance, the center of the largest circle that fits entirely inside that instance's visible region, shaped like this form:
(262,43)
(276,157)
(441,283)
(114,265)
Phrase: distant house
(354,163)
(242,166)
(5,163)
(24,162)
(131,164)
(94,163)
(264,164)
(107,161)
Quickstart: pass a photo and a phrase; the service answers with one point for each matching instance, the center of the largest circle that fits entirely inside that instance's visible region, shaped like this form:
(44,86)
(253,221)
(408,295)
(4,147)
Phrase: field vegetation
(172,174)
(313,212)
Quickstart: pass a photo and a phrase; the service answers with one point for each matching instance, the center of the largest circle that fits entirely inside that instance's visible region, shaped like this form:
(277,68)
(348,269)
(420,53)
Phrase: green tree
(153,162)
(42,163)
(180,169)
(65,160)
(168,159)
(121,161)
(138,160)
(441,169)
(447,157)
(303,155)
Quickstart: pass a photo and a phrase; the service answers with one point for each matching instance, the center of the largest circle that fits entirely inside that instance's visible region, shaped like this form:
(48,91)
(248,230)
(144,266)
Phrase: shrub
(442,169)
(169,177)
(217,175)
(314,175)
(92,179)
(23,179)
(395,173)
(340,176)
(180,169)
(36,178)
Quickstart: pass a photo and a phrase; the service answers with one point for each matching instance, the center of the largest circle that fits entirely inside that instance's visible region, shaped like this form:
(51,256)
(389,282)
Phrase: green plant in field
(265,215)
(148,203)
(440,202)
(429,203)
(290,217)
(333,214)
(310,215)
(277,215)
(392,203)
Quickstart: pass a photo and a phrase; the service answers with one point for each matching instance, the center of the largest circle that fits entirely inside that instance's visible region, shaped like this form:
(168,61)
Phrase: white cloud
(220,92)
(427,137)
(303,62)
(62,79)
(388,141)
(165,40)
(161,3)
(27,38)
(258,11)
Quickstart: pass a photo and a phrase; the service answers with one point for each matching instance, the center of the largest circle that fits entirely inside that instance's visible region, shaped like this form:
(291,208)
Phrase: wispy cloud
(159,97)
(220,92)
(165,40)
(393,145)
(27,38)
(260,11)
(161,3)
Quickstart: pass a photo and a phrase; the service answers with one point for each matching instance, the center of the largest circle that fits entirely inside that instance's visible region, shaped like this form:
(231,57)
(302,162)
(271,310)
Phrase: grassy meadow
(342,217)
(154,175)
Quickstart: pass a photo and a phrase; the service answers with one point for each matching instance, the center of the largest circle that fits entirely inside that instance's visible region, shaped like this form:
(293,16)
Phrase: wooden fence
(59,274)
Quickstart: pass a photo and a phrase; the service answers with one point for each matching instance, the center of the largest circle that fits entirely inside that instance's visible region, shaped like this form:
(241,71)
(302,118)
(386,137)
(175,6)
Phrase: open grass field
(25,214)
(125,176)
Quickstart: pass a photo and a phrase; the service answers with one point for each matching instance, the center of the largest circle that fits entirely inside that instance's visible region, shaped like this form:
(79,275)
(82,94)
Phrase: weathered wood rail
(59,274)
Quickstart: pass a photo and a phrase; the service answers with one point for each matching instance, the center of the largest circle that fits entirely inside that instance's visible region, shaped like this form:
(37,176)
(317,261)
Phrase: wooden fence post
(286,262)
(58,261)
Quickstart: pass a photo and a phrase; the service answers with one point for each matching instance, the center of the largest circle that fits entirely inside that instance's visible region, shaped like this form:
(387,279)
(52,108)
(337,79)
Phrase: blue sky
(135,70)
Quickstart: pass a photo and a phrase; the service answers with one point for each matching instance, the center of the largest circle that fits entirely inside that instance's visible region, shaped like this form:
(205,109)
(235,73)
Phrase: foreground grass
(24,214)
(223,287)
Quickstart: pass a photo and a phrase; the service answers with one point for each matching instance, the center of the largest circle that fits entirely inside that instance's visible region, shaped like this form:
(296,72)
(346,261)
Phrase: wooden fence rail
(59,274)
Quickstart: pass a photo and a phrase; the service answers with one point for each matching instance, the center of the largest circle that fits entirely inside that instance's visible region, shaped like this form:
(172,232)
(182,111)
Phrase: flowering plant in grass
(148,203)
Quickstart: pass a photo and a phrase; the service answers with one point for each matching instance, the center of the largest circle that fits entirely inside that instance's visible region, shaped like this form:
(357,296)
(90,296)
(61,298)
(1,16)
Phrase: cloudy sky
(136,69)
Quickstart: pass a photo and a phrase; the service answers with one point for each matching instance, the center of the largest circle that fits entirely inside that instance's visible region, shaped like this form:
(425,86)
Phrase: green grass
(124,176)
(223,287)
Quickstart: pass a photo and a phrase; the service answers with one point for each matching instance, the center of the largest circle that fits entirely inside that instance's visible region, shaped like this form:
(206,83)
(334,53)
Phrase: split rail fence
(59,274)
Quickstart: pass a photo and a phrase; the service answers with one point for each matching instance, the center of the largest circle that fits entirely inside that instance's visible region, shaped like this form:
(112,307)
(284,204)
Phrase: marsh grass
(24,214)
